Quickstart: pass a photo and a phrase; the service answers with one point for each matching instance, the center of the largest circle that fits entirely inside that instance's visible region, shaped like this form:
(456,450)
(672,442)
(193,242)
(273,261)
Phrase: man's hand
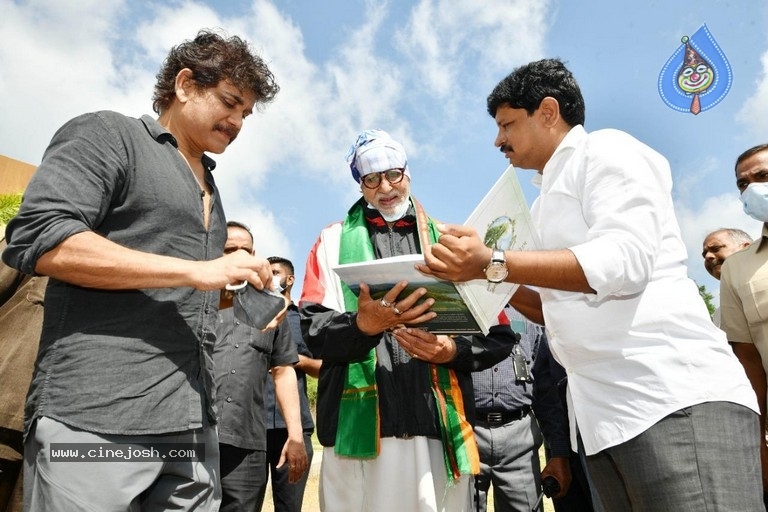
(459,255)
(233,269)
(560,469)
(425,345)
(296,455)
(90,260)
(375,316)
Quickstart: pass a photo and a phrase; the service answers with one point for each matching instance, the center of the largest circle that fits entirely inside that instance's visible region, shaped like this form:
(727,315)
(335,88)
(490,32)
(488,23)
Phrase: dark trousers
(286,496)
(243,479)
(10,485)
(578,497)
(11,457)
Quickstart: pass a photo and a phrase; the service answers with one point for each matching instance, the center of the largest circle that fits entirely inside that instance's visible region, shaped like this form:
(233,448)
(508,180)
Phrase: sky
(421,70)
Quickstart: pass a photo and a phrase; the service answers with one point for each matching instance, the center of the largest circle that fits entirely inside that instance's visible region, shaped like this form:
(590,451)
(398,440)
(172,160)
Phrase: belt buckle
(494,417)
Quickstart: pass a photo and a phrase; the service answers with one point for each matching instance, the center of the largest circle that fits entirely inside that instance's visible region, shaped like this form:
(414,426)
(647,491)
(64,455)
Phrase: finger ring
(385,303)
(397,311)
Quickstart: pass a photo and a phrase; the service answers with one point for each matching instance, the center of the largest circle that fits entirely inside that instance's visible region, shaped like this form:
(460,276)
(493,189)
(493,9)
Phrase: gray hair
(736,235)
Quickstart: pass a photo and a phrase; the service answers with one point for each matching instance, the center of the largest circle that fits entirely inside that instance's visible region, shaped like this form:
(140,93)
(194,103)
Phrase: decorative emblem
(697,76)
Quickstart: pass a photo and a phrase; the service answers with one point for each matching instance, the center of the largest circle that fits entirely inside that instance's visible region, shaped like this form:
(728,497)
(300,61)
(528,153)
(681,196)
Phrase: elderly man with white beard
(395,404)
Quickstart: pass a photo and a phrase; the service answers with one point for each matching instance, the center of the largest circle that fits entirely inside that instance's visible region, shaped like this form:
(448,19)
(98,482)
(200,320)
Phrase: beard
(397,212)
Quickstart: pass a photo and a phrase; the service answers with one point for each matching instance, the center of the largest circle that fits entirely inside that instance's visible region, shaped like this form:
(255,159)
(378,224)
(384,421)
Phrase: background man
(622,316)
(288,496)
(720,244)
(743,303)
(126,348)
(243,358)
(394,404)
(580,496)
(21,320)
(717,246)
(508,435)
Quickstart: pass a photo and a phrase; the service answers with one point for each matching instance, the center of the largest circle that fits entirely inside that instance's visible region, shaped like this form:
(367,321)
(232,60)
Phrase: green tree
(707,297)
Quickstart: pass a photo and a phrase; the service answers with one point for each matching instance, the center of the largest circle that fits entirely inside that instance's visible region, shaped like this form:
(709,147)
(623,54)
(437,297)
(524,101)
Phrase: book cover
(453,313)
(503,221)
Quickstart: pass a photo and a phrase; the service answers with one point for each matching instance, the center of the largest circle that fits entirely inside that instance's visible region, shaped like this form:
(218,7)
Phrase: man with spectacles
(373,180)
(401,438)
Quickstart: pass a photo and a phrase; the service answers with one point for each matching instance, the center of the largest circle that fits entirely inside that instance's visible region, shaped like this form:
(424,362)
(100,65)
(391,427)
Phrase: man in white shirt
(666,413)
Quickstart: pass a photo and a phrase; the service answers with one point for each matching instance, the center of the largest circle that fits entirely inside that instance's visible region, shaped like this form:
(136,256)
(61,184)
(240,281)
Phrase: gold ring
(385,303)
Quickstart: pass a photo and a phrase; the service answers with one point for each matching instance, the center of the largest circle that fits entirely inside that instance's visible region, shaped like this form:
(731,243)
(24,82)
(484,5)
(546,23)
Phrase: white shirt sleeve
(624,198)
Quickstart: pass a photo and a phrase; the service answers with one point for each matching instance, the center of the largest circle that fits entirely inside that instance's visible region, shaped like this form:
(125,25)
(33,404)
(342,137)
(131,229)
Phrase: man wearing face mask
(287,496)
(243,356)
(743,282)
(395,404)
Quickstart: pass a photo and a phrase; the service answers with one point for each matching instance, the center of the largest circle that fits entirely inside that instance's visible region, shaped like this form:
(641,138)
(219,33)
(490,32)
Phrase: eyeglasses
(373,180)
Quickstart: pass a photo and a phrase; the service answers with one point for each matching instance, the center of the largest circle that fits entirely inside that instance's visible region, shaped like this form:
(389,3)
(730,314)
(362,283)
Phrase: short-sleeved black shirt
(243,357)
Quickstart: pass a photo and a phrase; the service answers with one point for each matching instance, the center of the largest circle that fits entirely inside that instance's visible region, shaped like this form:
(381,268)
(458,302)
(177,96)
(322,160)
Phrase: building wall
(14,175)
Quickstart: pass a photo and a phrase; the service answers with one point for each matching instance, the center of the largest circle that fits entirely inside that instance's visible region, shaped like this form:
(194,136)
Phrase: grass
(9,206)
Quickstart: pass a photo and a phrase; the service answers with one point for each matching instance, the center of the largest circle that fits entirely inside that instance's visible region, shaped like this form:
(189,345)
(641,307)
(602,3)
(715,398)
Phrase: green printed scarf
(358,431)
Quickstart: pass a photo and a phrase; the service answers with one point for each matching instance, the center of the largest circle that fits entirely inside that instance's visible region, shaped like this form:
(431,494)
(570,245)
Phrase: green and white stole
(358,432)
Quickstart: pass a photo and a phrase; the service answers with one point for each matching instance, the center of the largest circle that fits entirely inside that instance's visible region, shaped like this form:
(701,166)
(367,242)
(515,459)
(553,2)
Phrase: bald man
(720,244)
(717,246)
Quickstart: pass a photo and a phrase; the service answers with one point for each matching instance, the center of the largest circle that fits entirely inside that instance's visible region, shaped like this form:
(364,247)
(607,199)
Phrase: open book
(503,221)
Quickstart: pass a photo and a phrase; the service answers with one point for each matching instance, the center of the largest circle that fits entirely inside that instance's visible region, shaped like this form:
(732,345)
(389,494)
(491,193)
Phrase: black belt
(502,417)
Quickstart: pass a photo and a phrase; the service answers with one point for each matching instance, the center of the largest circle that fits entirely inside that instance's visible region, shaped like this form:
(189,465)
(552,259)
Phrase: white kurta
(402,478)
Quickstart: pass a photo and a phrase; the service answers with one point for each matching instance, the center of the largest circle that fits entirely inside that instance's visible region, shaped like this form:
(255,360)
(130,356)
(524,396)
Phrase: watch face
(496,272)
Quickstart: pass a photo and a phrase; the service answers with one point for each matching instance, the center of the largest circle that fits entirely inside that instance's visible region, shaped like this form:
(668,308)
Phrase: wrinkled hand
(560,469)
(459,255)
(232,269)
(295,454)
(375,316)
(426,346)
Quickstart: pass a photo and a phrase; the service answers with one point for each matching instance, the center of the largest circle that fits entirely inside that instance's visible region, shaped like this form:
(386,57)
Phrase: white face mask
(755,200)
(276,284)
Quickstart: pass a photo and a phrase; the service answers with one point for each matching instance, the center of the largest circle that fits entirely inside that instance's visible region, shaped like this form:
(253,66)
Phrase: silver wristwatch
(496,270)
